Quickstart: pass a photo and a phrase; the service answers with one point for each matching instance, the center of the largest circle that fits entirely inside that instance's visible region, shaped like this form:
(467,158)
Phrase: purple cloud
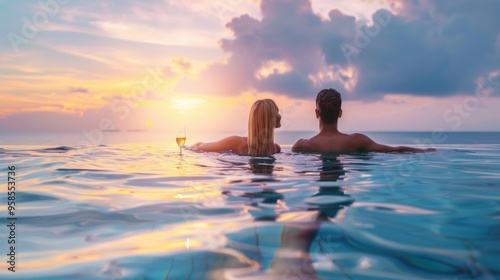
(440,50)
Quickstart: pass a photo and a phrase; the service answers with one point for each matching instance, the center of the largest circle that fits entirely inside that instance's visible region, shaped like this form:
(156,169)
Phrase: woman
(264,118)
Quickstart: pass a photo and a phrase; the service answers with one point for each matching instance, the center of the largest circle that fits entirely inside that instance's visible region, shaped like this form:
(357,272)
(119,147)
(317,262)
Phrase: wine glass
(181,137)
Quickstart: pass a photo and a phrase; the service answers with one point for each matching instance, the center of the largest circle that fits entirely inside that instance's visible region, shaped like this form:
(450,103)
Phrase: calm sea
(282,137)
(130,207)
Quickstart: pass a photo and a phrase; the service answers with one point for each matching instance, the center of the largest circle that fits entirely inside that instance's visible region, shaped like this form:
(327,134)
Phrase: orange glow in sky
(205,64)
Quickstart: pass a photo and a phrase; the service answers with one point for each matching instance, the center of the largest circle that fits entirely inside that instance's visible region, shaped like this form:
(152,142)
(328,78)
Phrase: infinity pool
(145,212)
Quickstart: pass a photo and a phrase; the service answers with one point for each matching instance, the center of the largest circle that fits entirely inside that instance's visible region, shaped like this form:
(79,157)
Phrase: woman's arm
(229,143)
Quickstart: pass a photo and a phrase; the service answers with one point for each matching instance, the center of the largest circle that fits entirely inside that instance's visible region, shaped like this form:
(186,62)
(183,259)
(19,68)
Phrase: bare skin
(237,144)
(330,138)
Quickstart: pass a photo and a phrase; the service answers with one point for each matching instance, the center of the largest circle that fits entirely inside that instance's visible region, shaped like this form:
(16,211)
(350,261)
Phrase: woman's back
(264,117)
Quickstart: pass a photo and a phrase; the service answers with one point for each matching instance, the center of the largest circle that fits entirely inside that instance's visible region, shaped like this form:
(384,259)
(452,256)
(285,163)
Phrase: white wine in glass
(181,137)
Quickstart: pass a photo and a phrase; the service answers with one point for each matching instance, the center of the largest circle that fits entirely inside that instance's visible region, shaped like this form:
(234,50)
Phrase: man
(328,111)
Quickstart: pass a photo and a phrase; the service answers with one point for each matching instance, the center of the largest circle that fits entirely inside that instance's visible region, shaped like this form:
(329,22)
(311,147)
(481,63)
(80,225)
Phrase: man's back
(328,111)
(335,141)
(338,141)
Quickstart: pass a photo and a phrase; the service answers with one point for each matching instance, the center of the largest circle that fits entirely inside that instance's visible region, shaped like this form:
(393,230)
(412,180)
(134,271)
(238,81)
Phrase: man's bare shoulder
(359,136)
(301,144)
(358,141)
(302,141)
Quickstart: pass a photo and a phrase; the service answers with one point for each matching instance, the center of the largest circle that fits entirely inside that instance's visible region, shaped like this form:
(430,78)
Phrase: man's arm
(368,144)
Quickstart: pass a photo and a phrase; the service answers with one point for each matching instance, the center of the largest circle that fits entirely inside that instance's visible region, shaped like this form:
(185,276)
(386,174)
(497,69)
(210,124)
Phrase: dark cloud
(431,48)
(441,52)
(291,83)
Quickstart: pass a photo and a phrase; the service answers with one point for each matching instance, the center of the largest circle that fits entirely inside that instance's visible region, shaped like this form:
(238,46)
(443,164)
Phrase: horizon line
(238,131)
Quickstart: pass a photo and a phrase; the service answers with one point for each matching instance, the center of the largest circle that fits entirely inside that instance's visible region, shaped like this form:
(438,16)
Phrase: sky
(400,65)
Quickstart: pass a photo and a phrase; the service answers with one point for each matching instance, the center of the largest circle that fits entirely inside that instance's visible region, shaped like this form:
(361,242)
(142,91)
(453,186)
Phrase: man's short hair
(328,103)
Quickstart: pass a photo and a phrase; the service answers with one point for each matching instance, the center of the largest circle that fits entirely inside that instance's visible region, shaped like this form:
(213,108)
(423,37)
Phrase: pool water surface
(143,211)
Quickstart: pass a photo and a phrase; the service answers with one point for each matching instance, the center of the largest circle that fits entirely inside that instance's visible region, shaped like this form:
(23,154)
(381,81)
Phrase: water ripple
(145,212)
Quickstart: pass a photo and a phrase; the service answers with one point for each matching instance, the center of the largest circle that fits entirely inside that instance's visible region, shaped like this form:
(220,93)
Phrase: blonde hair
(261,124)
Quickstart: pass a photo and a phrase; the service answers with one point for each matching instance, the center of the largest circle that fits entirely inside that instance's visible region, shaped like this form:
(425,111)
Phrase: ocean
(95,137)
(127,205)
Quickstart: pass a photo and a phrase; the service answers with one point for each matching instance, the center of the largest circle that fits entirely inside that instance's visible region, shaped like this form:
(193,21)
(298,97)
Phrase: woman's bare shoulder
(235,138)
(228,143)
(239,144)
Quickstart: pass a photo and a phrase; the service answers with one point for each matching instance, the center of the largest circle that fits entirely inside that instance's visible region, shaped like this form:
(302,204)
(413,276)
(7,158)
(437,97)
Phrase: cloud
(421,48)
(92,50)
(182,63)
(153,96)
(439,53)
(41,121)
(110,116)
(79,89)
(274,38)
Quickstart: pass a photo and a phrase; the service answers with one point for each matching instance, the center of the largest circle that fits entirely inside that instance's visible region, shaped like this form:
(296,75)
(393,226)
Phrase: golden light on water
(127,246)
